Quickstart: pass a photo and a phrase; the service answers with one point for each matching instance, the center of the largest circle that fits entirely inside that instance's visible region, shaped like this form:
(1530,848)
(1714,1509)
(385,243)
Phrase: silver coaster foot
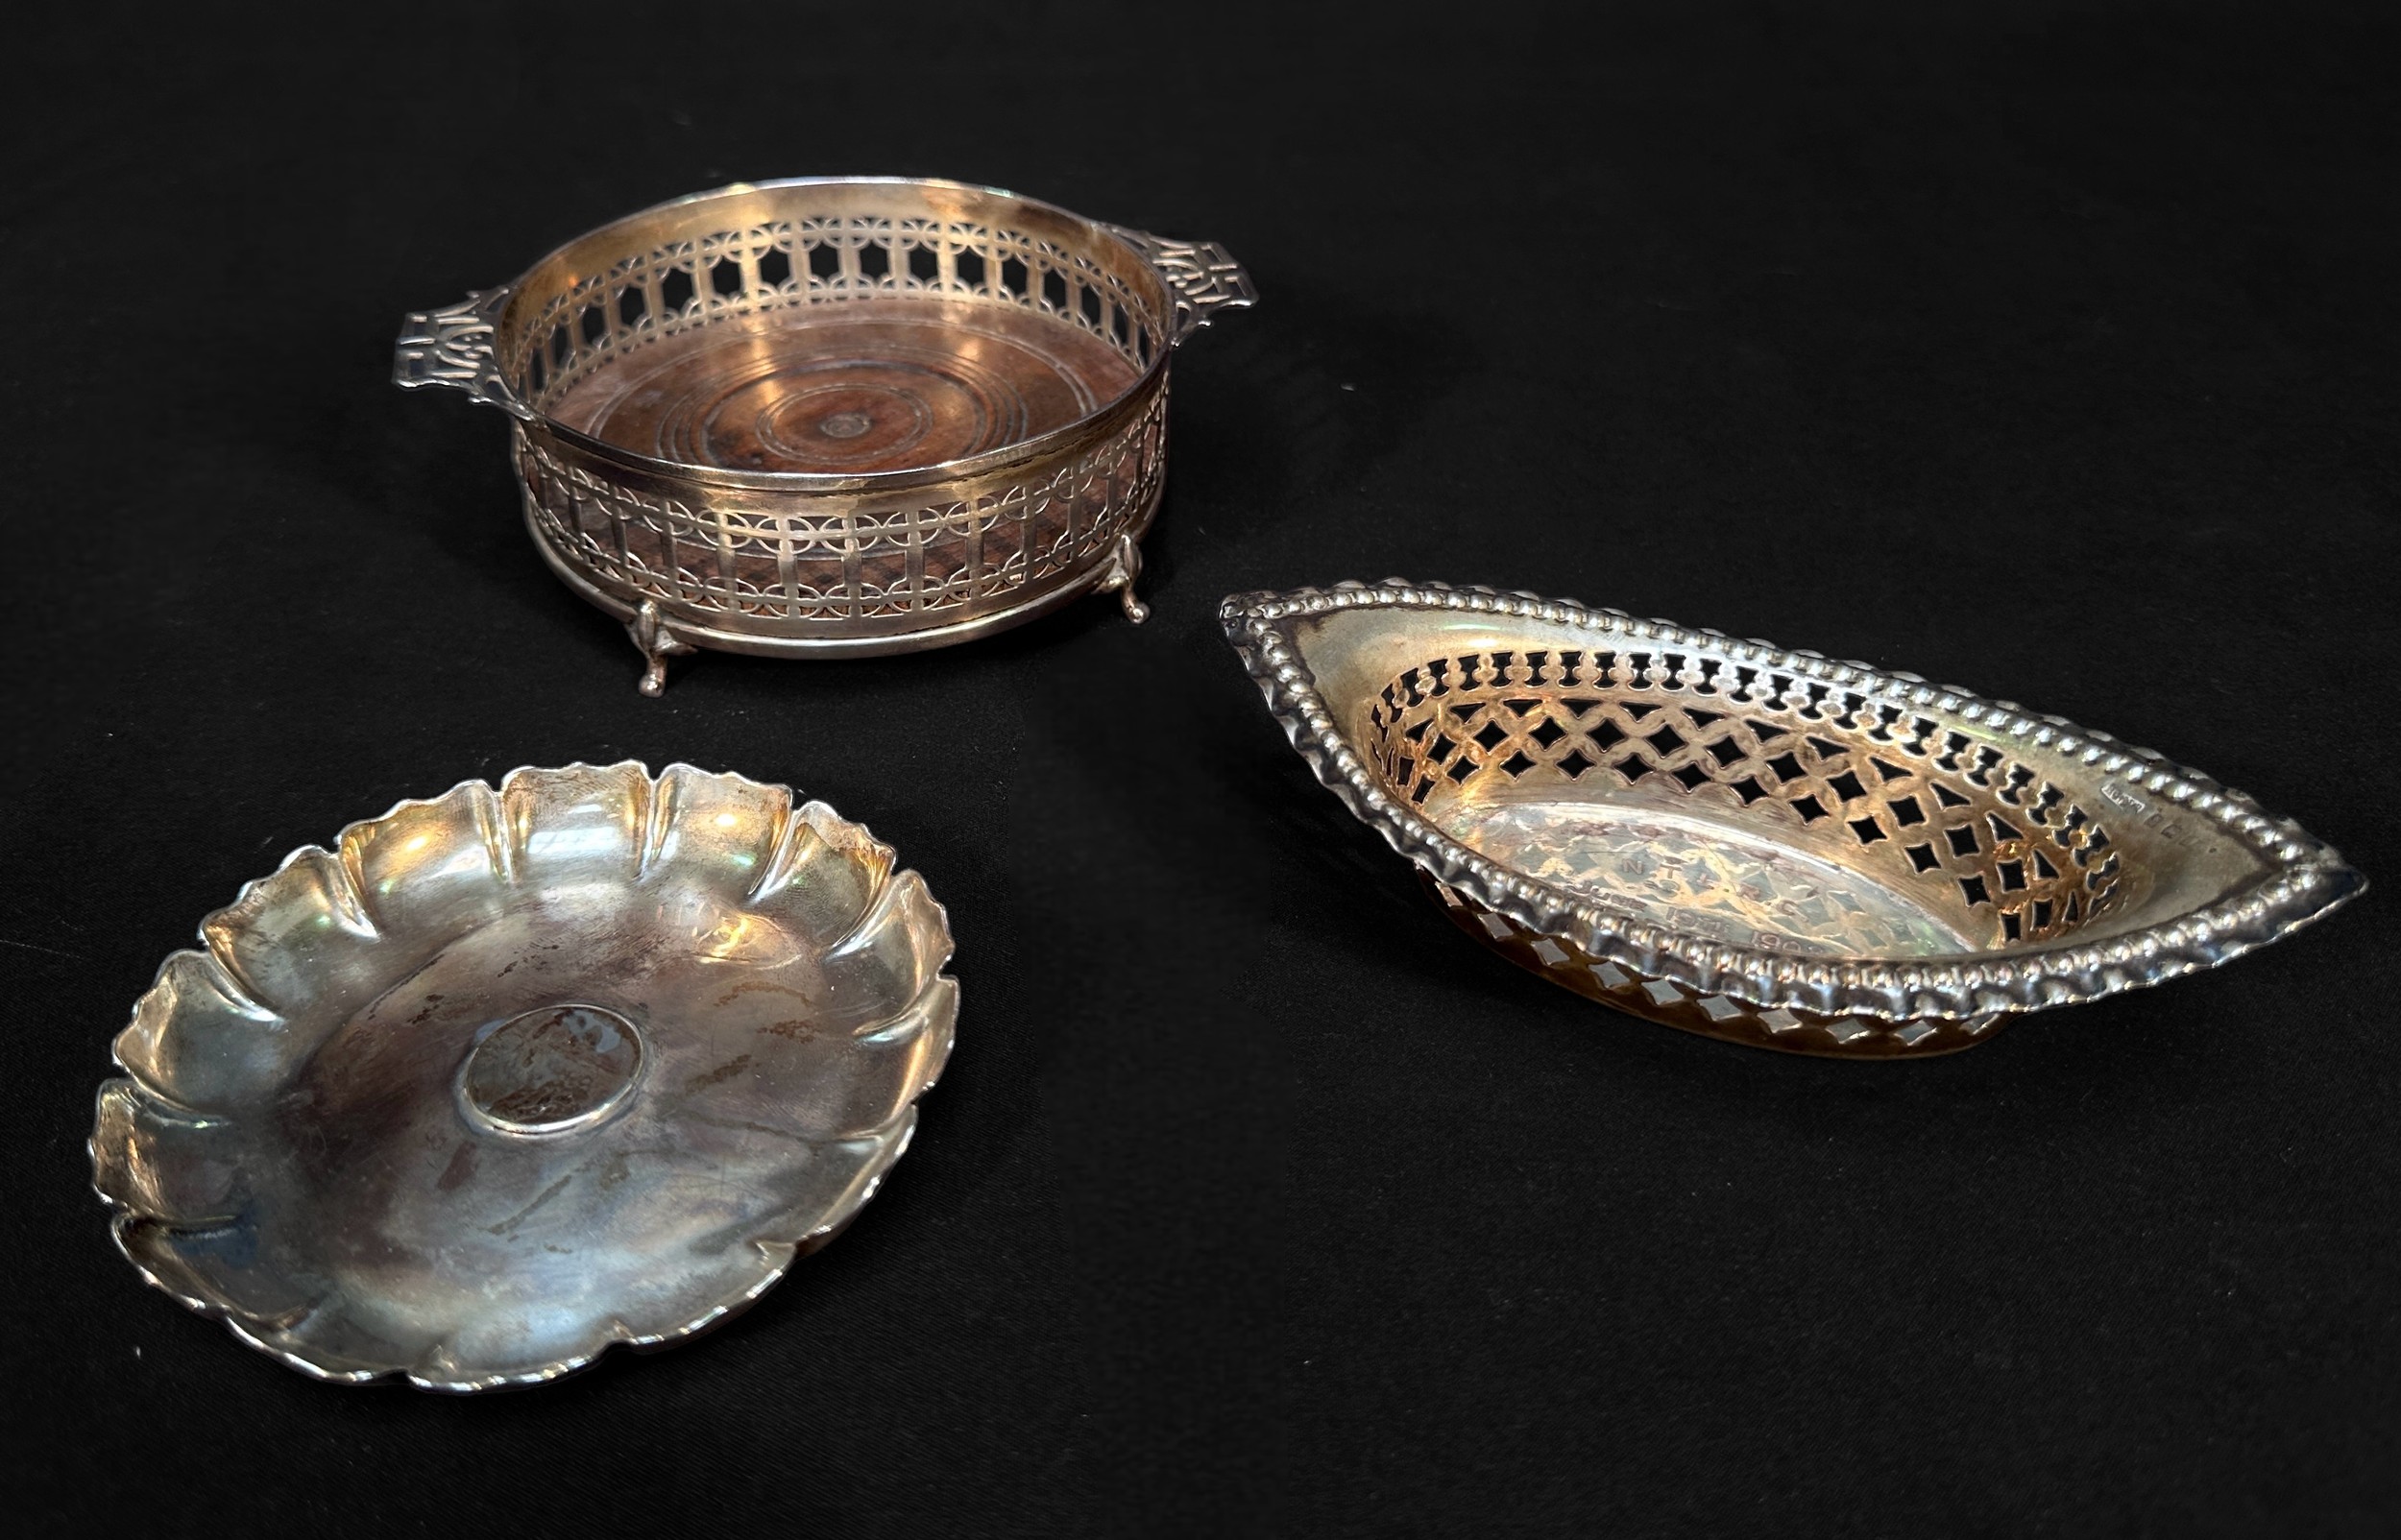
(657,644)
(1124,568)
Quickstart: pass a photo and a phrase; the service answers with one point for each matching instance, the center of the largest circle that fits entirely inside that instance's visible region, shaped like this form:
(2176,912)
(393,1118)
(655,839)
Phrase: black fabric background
(2048,349)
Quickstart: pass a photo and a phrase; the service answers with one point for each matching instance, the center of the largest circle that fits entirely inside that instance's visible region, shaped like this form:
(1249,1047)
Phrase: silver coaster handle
(452,347)
(1202,274)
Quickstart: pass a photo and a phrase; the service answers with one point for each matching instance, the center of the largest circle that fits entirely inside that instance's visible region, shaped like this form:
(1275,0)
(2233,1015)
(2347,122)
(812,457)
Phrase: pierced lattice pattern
(862,560)
(1931,810)
(733,274)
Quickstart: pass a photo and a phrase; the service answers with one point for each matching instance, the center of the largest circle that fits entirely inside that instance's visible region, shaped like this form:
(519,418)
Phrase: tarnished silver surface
(507,1076)
(1762,844)
(836,415)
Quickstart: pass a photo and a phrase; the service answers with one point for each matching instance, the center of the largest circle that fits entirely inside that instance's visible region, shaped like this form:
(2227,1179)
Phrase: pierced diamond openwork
(1763,844)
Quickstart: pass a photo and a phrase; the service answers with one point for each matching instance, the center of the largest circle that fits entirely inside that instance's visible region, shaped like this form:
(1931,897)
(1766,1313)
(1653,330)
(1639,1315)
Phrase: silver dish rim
(722,1311)
(2306,879)
(497,300)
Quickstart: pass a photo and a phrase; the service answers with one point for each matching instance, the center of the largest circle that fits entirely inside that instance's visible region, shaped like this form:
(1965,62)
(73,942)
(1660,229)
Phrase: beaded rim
(2305,879)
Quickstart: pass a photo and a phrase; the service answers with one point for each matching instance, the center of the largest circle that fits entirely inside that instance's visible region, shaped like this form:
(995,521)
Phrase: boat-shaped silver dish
(510,1075)
(836,415)
(1759,845)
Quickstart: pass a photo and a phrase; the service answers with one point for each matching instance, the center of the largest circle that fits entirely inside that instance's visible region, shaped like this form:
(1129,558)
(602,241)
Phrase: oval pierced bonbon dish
(507,1076)
(1759,845)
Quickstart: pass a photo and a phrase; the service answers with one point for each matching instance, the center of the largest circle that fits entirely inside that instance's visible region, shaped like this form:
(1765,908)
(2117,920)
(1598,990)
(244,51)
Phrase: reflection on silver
(1705,875)
(507,1076)
(1762,844)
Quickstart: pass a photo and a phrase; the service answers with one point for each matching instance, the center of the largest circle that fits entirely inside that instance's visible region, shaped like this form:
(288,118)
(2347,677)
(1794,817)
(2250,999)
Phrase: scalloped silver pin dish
(1758,845)
(508,1076)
